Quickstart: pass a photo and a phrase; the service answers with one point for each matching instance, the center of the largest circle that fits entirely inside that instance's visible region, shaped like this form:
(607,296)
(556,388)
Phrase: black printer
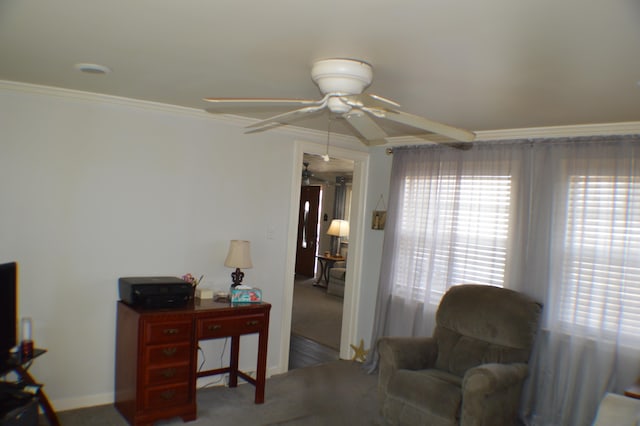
(155,292)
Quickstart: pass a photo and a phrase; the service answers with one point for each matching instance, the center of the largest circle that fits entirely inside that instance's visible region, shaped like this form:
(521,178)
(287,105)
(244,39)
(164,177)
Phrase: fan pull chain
(325,157)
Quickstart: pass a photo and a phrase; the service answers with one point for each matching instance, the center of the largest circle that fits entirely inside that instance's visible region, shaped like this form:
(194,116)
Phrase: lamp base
(237,277)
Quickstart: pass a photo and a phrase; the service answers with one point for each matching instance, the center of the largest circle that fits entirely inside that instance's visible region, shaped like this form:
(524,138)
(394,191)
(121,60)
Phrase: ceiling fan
(342,82)
(308,176)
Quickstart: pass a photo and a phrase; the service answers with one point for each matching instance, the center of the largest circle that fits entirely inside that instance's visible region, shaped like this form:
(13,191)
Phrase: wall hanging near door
(379,217)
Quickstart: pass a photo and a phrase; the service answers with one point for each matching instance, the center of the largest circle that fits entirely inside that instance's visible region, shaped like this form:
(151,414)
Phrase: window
(455,230)
(558,220)
(601,268)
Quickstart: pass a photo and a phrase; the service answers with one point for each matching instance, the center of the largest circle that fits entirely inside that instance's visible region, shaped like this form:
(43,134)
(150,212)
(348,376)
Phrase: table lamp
(338,228)
(239,256)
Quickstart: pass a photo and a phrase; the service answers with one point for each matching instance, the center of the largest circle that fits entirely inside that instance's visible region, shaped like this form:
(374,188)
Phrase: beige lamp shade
(338,228)
(239,255)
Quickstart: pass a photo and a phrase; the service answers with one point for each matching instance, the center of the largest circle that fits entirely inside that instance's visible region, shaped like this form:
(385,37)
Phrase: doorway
(317,310)
(349,334)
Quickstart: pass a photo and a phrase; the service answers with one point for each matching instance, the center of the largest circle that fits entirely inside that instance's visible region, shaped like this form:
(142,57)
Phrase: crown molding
(624,128)
(98,97)
(229,119)
(610,129)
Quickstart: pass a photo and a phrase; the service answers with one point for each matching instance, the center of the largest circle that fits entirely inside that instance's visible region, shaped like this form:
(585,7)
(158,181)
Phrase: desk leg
(233,370)
(43,401)
(261,372)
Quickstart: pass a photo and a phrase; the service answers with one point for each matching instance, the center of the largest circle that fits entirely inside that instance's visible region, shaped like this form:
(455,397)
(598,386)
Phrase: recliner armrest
(491,394)
(490,378)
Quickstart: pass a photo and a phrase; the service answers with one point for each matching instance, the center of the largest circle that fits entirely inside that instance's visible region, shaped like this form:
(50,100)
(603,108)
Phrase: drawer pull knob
(168,373)
(170,331)
(253,322)
(168,394)
(169,351)
(214,327)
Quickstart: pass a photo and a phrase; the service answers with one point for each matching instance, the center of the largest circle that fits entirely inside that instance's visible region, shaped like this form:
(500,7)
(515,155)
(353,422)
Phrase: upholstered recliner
(471,371)
(337,278)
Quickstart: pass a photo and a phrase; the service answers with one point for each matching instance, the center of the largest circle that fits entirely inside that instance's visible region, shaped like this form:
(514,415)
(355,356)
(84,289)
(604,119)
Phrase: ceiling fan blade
(262,102)
(427,125)
(369,101)
(286,117)
(365,125)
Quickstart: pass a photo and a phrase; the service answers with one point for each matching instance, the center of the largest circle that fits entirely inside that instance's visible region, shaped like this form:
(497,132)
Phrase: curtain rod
(634,138)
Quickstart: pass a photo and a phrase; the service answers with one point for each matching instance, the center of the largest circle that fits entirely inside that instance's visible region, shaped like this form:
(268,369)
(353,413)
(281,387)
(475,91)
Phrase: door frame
(350,307)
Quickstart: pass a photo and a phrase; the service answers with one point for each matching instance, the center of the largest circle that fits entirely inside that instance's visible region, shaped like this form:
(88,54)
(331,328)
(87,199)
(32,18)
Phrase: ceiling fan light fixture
(342,76)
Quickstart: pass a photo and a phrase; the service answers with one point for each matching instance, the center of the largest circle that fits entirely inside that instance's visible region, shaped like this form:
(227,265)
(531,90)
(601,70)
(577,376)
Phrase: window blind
(601,269)
(454,230)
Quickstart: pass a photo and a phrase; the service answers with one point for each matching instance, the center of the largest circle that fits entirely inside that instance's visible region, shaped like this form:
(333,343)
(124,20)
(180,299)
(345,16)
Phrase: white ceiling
(475,64)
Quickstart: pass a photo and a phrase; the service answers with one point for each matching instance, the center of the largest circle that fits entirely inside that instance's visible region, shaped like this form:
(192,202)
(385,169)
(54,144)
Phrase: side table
(326,263)
(17,366)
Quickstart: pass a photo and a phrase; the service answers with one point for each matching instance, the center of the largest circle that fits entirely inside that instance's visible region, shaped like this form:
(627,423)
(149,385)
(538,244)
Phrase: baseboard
(65,404)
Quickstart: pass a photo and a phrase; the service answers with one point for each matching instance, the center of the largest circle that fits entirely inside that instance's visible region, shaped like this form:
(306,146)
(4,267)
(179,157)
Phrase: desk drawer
(166,396)
(168,354)
(167,374)
(165,332)
(209,328)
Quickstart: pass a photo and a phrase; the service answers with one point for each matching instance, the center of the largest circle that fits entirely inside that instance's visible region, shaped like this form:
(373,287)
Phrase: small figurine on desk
(193,281)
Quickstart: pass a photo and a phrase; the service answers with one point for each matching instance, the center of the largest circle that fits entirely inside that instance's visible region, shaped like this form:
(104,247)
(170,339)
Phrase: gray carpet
(335,393)
(316,315)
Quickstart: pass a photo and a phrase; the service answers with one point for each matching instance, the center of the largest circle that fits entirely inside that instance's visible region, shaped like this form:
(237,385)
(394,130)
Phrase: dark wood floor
(304,353)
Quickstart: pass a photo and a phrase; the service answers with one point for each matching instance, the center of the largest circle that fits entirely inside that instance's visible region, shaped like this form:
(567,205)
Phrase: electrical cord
(224,377)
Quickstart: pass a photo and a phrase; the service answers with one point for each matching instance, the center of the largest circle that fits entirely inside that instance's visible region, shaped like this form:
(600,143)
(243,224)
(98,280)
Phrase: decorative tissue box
(245,294)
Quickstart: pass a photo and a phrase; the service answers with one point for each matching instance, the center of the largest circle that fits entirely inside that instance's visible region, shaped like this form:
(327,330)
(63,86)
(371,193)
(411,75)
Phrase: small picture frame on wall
(378,219)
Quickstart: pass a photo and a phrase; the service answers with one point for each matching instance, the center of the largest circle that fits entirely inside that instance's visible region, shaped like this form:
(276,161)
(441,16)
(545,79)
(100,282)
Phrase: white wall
(378,184)
(93,189)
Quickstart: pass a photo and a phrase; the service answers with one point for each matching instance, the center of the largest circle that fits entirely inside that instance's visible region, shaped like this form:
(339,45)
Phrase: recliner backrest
(478,324)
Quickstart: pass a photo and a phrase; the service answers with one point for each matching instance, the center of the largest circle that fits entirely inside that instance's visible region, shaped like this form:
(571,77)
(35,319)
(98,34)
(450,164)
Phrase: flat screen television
(8,308)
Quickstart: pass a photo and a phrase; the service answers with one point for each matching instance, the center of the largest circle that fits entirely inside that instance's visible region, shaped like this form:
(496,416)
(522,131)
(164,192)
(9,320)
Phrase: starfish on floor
(360,352)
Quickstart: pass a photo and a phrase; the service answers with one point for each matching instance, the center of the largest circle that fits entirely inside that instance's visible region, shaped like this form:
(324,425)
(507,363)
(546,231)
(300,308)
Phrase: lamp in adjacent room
(338,228)
(239,256)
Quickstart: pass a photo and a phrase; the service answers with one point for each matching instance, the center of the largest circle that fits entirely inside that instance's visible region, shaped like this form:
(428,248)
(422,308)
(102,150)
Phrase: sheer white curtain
(524,215)
(590,341)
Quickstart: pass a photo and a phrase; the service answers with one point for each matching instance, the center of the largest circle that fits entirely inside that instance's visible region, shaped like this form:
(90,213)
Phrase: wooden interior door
(307,230)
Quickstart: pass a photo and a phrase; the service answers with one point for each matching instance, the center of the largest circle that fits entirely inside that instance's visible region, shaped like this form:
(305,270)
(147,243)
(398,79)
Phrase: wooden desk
(156,355)
(326,263)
